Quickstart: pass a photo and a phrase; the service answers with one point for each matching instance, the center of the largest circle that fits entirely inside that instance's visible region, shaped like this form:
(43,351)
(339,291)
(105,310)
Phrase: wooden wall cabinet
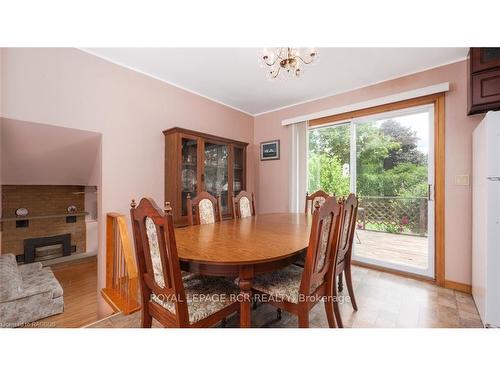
(196,162)
(483,80)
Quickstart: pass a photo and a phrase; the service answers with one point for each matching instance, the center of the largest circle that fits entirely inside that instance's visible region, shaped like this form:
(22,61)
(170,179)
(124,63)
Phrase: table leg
(245,284)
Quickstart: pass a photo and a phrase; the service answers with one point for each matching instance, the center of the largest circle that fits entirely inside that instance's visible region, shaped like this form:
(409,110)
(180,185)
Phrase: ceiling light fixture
(287,59)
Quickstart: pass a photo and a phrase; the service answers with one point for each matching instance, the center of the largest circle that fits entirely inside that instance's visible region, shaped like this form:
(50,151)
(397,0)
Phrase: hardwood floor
(384,301)
(79,282)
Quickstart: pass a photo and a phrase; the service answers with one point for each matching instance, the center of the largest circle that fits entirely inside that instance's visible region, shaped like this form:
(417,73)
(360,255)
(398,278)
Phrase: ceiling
(233,76)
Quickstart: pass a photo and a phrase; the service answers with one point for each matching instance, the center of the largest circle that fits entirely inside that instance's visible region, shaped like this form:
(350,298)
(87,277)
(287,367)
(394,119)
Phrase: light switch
(462,180)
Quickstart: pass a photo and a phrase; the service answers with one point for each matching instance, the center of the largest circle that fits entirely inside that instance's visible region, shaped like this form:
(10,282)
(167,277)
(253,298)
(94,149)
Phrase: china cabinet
(196,162)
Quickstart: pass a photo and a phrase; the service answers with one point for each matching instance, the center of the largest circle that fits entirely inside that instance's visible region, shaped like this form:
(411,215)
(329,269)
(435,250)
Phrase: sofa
(28,292)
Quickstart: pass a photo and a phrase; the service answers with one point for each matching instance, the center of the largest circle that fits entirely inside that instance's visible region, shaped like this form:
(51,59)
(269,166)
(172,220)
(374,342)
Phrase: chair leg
(254,302)
(350,289)
(278,314)
(336,309)
(146,319)
(304,319)
(341,282)
(329,314)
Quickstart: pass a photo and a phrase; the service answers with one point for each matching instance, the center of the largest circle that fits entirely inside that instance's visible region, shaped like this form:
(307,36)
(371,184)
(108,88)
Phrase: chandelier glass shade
(287,61)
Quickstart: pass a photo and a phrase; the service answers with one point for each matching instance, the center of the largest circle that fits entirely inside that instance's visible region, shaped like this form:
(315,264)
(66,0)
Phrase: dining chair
(344,253)
(203,209)
(319,196)
(297,290)
(244,205)
(171,299)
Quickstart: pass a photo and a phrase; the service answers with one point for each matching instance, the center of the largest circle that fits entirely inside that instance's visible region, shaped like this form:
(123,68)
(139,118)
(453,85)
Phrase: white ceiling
(233,76)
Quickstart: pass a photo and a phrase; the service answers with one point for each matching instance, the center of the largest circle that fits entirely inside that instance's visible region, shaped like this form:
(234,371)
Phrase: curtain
(298,166)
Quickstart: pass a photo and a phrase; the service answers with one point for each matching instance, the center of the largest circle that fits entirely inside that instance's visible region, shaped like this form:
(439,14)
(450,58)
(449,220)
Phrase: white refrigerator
(486,219)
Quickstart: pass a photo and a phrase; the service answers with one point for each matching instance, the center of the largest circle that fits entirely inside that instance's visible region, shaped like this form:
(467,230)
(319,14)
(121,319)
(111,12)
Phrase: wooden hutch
(196,162)
(483,80)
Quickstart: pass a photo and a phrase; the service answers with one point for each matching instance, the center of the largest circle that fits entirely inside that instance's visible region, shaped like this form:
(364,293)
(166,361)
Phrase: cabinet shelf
(224,166)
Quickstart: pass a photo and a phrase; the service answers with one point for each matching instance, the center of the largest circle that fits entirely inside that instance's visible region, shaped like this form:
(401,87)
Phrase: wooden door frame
(438,101)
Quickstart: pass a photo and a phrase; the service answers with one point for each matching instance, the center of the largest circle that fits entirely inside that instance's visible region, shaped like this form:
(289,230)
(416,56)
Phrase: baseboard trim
(394,272)
(455,285)
(448,284)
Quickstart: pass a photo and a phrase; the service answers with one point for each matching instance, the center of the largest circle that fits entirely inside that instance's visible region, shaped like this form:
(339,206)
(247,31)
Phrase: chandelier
(289,60)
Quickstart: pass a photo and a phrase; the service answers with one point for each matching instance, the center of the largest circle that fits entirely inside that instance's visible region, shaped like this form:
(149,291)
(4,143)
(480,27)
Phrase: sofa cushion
(28,268)
(10,278)
(43,281)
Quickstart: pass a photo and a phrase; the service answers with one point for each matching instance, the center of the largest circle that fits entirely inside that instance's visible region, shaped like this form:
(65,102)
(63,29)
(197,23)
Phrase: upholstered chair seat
(204,296)
(297,289)
(244,205)
(203,209)
(206,208)
(318,197)
(245,209)
(281,285)
(174,298)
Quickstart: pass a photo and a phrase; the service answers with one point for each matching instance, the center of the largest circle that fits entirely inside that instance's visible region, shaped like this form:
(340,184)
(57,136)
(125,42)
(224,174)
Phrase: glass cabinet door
(238,167)
(216,173)
(189,170)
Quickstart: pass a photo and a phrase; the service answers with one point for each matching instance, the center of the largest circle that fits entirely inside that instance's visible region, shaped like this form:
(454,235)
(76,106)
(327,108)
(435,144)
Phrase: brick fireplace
(49,228)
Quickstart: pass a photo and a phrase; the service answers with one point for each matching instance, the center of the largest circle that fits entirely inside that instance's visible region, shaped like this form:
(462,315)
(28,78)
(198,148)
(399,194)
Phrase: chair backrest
(350,207)
(323,245)
(203,209)
(320,196)
(244,204)
(157,260)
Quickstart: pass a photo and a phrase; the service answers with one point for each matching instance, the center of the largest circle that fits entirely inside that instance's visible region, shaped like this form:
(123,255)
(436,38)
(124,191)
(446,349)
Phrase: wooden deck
(390,247)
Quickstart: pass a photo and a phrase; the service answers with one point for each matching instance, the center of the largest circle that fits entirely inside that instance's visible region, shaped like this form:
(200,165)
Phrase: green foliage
(389,228)
(388,160)
(407,152)
(325,173)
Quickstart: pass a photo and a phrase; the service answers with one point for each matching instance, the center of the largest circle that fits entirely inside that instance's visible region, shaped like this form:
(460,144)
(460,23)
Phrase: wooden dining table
(244,248)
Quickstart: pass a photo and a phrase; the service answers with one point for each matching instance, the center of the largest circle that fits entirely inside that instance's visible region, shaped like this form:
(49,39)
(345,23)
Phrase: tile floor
(384,301)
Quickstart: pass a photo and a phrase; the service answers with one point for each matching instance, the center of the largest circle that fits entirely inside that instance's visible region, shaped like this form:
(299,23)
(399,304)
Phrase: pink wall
(459,127)
(60,156)
(67,87)
(70,88)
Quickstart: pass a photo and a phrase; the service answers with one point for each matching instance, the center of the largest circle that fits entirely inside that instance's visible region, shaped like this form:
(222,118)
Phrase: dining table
(244,248)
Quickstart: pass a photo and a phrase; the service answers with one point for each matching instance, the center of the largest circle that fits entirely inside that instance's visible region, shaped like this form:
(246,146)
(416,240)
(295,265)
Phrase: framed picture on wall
(270,150)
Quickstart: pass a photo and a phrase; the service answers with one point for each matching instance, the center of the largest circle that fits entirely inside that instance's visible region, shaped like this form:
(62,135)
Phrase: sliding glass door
(387,160)
(329,159)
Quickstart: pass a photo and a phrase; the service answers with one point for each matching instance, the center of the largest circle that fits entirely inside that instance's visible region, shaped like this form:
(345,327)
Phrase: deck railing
(393,214)
(122,287)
